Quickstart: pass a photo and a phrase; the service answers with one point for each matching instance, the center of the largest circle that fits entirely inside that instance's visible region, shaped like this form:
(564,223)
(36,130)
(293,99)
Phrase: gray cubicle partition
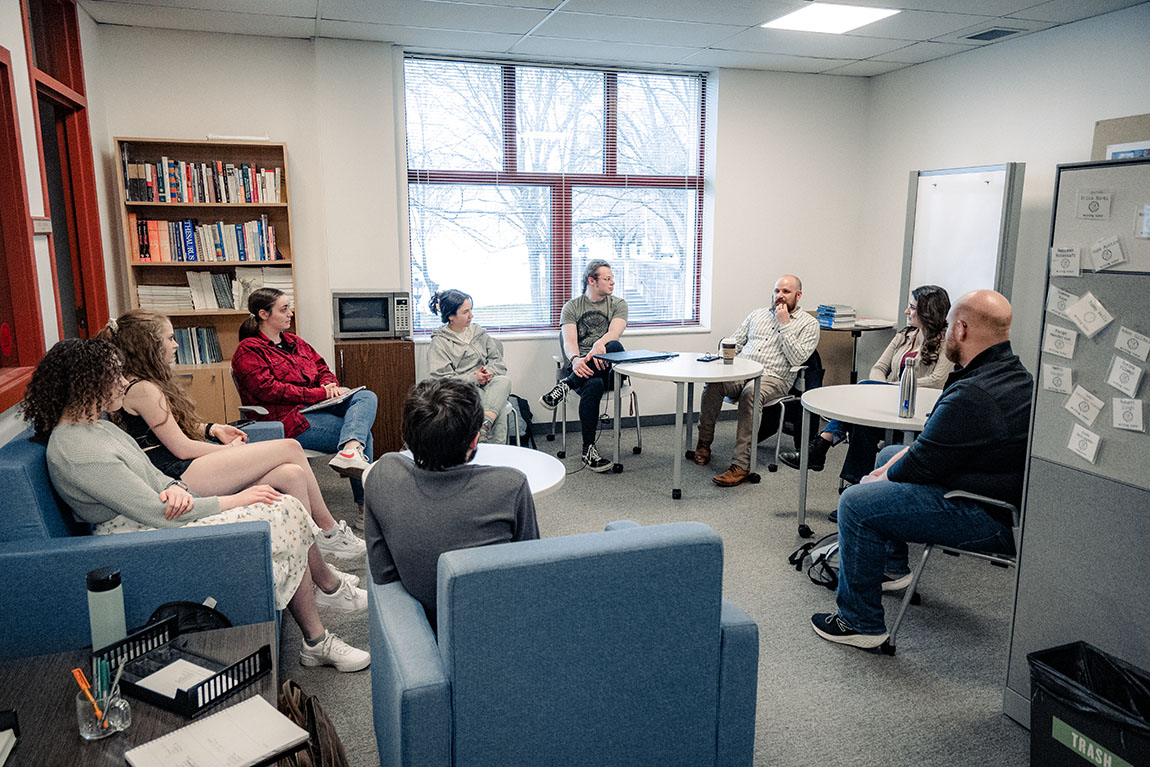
(1083,569)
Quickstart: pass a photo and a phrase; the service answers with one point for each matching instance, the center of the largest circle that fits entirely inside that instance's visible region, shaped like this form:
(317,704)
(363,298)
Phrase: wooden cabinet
(386,368)
(221,196)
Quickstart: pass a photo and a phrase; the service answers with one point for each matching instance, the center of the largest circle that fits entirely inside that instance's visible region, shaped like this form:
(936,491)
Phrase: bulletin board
(962,229)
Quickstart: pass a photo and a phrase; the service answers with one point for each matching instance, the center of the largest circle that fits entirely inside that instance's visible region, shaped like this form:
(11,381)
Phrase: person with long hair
(462,350)
(280,371)
(163,421)
(109,482)
(922,340)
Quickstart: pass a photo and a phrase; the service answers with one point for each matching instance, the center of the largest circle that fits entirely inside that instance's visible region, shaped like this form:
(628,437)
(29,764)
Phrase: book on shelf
(188,240)
(197,346)
(165,298)
(167,179)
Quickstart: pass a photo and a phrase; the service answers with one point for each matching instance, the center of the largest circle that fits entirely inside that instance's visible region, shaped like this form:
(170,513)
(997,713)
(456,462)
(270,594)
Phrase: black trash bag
(1087,705)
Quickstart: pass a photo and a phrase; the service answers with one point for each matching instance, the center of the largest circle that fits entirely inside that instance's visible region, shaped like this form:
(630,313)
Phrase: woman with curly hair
(922,340)
(163,421)
(108,481)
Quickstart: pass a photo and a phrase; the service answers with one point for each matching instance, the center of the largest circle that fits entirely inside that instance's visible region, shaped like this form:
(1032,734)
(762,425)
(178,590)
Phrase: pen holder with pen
(154,647)
(114,715)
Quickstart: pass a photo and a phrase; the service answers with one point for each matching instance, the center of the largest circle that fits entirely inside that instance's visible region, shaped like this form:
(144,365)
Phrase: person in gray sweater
(436,501)
(109,481)
(463,351)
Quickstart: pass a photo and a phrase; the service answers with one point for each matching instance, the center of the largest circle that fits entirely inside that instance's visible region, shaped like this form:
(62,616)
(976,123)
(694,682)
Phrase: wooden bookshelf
(209,384)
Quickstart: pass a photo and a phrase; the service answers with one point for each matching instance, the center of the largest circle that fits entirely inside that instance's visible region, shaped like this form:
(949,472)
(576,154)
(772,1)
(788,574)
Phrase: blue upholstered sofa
(45,554)
(612,648)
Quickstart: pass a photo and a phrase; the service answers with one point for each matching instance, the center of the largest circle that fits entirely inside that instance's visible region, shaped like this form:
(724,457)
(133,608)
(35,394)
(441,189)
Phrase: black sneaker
(816,455)
(551,399)
(831,628)
(896,583)
(593,461)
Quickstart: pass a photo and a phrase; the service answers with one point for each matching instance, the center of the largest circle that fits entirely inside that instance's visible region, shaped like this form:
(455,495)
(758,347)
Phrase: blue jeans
(862,447)
(332,428)
(877,520)
(590,392)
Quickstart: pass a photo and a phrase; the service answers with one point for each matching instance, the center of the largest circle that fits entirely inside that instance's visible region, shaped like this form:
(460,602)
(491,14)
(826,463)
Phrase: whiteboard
(962,229)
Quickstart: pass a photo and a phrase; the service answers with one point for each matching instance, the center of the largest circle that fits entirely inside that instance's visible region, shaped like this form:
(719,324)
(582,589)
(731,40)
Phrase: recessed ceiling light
(830,18)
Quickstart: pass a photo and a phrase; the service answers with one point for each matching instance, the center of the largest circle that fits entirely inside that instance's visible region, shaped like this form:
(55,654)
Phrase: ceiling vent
(992,34)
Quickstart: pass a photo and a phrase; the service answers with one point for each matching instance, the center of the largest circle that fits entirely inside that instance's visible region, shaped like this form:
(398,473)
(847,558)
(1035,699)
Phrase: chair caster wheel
(689,455)
(550,437)
(772,467)
(754,479)
(561,454)
(636,450)
(617,468)
(676,494)
(805,531)
(916,599)
(887,648)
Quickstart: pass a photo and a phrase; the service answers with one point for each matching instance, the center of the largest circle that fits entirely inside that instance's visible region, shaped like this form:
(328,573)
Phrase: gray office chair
(624,391)
(250,410)
(998,560)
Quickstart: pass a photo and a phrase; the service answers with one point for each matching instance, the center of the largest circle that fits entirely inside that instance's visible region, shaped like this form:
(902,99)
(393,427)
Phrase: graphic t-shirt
(591,319)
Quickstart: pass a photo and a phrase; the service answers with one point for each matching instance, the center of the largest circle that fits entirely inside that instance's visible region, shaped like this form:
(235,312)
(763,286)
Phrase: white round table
(863,404)
(686,370)
(545,473)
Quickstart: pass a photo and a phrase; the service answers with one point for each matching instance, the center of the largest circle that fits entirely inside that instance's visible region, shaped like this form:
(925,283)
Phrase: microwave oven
(371,314)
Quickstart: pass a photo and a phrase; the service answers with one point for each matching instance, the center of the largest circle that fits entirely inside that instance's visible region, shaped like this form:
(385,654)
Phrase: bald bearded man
(973,440)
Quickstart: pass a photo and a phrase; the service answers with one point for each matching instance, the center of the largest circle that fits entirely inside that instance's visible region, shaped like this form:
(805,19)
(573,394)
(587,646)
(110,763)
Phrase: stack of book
(188,240)
(165,299)
(197,346)
(211,291)
(836,316)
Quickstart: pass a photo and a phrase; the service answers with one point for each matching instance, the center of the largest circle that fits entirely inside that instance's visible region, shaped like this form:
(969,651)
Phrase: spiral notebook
(246,734)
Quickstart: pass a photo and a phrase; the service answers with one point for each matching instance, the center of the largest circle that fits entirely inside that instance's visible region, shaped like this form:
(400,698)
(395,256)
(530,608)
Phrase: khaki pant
(770,389)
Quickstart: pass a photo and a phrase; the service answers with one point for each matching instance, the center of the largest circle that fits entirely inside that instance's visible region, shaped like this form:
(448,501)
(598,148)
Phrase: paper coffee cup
(728,352)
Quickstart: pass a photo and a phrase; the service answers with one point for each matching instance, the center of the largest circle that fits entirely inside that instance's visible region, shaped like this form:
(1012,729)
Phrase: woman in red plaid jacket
(280,371)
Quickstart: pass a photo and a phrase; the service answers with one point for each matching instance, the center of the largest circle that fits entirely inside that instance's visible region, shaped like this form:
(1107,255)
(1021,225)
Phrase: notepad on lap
(244,734)
(331,400)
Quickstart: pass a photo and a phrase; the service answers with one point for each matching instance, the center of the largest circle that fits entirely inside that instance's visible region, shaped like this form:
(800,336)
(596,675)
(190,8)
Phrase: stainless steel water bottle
(907,390)
(106,607)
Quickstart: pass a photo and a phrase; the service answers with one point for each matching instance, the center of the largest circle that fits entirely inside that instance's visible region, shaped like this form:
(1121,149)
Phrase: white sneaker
(348,577)
(341,542)
(350,463)
(333,651)
(347,598)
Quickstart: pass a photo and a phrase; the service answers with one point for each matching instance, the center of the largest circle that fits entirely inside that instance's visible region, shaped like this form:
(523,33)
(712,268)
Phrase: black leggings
(590,392)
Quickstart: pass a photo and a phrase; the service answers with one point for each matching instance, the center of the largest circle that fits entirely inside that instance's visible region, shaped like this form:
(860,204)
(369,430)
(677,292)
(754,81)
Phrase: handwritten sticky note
(1059,341)
(1124,376)
(1065,262)
(1128,414)
(1083,442)
(1084,405)
(1057,378)
(1133,343)
(1089,315)
(1107,253)
(1093,205)
(1058,301)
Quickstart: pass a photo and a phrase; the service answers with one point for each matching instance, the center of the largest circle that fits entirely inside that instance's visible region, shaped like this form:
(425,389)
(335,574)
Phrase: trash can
(1087,707)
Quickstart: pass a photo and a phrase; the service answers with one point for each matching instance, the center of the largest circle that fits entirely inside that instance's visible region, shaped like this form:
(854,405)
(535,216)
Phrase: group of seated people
(127,451)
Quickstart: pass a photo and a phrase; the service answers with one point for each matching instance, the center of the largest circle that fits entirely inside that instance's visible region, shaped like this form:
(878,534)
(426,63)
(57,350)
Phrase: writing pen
(87,689)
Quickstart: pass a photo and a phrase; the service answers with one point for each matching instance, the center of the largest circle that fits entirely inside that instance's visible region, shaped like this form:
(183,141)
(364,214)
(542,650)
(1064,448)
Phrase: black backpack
(525,419)
(821,560)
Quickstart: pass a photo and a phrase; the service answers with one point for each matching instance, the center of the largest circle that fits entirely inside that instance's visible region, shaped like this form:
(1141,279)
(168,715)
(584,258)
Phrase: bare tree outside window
(518,175)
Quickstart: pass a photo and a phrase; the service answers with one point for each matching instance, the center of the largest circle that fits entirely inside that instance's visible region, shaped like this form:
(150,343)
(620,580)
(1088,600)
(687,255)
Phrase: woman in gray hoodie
(465,352)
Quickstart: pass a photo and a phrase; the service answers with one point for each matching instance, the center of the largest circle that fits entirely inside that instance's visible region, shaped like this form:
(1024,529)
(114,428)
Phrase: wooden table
(685,371)
(43,692)
(862,404)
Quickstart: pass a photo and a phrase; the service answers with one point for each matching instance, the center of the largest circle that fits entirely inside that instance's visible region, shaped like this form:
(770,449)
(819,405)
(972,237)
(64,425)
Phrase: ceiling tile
(423,13)
(586,26)
(920,52)
(1025,26)
(868,68)
(791,43)
(918,25)
(750,60)
(1065,11)
(978,7)
(136,15)
(739,12)
(419,37)
(576,50)
(304,8)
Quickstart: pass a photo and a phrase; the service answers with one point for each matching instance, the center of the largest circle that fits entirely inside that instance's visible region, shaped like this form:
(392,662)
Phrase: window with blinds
(518,175)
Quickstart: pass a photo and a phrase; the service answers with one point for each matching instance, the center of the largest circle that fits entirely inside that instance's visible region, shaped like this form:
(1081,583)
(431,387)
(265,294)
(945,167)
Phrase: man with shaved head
(973,440)
(778,337)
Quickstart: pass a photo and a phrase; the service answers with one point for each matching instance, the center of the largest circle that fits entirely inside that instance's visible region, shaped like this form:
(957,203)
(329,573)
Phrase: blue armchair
(45,553)
(612,648)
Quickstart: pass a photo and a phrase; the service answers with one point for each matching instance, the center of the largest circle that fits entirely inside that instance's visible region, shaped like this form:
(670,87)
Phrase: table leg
(689,450)
(756,414)
(855,334)
(804,459)
(617,467)
(676,476)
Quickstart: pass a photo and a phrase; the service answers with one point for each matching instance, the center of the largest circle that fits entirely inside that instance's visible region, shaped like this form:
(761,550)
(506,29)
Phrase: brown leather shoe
(733,476)
(702,454)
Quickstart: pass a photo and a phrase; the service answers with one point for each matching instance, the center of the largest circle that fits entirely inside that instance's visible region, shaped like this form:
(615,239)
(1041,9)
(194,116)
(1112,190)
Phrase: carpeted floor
(937,702)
